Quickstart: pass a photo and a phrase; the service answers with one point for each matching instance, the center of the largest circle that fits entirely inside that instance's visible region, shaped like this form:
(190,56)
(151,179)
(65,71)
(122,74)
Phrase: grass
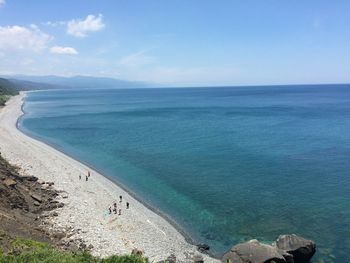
(25,250)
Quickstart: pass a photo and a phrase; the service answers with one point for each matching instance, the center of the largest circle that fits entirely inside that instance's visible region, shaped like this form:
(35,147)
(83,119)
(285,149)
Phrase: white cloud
(80,28)
(23,38)
(136,59)
(63,50)
(2,3)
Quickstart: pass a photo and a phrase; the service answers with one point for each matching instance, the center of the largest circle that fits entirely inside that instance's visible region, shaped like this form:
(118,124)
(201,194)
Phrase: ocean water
(227,164)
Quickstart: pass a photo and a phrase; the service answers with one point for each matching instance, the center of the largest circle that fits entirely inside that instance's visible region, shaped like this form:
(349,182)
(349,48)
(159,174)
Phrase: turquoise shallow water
(227,164)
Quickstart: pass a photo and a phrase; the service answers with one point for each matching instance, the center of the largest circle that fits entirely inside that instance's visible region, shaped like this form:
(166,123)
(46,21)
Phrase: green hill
(7,89)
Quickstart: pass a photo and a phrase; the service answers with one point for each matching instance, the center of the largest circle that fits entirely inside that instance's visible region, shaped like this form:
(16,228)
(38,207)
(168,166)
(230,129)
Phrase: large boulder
(253,252)
(301,248)
(137,252)
(203,248)
(9,182)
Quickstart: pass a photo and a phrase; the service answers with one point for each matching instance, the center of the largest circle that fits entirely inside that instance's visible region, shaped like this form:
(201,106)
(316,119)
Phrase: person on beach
(86,178)
(127,205)
(120,212)
(79,176)
(110,210)
(115,205)
(120,199)
(88,174)
(115,210)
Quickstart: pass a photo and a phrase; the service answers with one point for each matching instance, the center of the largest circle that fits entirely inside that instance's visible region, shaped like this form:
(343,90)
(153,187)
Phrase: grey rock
(55,204)
(58,235)
(70,235)
(45,186)
(41,181)
(73,247)
(171,259)
(137,252)
(36,197)
(30,178)
(288,257)
(82,246)
(9,182)
(253,252)
(301,248)
(60,205)
(203,248)
(198,259)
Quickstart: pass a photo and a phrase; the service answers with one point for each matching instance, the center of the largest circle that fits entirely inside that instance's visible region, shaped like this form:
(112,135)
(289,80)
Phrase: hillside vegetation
(26,250)
(22,234)
(7,89)
(10,87)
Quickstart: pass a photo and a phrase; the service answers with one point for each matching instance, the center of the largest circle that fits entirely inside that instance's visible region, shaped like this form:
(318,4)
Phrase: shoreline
(142,227)
(113,181)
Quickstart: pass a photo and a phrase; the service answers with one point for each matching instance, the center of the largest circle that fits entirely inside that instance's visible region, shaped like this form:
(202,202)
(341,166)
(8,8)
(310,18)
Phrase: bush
(3,99)
(24,250)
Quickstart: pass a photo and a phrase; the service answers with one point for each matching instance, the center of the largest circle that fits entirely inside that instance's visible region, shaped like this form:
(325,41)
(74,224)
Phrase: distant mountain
(13,86)
(30,85)
(80,82)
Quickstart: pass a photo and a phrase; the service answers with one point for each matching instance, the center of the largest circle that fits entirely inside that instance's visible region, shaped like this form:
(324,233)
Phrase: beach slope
(85,213)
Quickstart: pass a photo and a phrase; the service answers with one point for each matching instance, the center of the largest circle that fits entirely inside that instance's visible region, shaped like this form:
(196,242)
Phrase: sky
(179,42)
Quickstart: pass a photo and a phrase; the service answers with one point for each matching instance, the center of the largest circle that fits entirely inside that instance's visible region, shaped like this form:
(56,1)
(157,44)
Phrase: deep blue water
(227,164)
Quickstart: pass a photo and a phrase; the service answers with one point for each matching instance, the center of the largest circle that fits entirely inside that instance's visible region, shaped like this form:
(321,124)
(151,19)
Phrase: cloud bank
(2,3)
(23,38)
(63,50)
(81,28)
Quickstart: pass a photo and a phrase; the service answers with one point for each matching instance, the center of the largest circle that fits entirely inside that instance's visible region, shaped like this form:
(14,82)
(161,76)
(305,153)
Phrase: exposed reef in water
(286,249)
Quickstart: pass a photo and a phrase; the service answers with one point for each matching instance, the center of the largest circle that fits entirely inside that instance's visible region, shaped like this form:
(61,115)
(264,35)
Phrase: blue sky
(179,42)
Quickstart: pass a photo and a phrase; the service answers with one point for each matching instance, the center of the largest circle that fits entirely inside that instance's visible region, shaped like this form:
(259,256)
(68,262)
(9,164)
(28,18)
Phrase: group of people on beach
(115,209)
(86,176)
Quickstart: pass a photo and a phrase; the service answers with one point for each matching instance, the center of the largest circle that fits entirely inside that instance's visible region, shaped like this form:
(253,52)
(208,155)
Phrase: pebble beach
(85,213)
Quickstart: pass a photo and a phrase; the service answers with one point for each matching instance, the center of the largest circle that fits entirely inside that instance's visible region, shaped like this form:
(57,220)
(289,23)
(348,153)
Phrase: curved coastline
(177,228)
(180,229)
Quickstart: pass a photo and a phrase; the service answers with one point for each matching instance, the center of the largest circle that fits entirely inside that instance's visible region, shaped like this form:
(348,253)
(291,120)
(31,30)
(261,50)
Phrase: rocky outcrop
(300,248)
(170,259)
(9,182)
(25,206)
(286,249)
(198,259)
(253,252)
(203,248)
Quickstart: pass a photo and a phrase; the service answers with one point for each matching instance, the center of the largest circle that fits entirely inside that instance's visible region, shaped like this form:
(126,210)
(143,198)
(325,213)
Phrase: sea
(225,164)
